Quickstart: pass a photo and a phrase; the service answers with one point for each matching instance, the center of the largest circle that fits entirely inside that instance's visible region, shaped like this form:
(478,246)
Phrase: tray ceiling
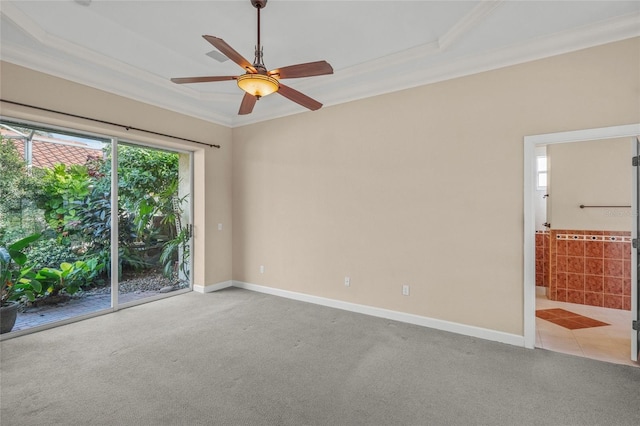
(133,48)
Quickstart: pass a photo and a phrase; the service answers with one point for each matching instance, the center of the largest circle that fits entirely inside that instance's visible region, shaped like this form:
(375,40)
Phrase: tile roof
(46,152)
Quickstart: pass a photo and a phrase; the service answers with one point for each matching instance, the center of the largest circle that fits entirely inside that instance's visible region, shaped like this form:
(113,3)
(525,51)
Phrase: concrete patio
(40,315)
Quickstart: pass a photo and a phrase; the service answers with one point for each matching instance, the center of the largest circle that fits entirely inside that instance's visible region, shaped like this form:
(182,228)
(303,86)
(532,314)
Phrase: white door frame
(530,142)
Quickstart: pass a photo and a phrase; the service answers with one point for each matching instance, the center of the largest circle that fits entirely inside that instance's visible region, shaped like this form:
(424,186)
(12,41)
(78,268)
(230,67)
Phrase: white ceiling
(133,48)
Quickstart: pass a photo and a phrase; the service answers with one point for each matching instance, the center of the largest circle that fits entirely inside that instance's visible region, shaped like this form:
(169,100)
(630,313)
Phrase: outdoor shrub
(147,185)
(51,253)
(64,190)
(96,227)
(103,259)
(16,275)
(70,277)
(9,234)
(94,271)
(144,171)
(19,188)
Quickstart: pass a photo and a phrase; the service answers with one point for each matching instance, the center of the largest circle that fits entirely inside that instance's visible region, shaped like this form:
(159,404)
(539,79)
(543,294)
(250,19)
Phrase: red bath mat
(568,319)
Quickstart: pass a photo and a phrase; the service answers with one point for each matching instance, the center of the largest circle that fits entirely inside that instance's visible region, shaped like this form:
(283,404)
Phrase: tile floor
(611,343)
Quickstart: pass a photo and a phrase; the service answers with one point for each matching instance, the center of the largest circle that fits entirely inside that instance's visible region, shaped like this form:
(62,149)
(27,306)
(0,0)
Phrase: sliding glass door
(54,223)
(61,256)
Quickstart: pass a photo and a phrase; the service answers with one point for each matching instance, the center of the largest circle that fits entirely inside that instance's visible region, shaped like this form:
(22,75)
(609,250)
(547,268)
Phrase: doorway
(531,142)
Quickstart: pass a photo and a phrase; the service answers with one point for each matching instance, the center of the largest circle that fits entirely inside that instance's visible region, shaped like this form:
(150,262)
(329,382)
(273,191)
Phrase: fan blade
(299,98)
(184,80)
(302,70)
(230,53)
(248,101)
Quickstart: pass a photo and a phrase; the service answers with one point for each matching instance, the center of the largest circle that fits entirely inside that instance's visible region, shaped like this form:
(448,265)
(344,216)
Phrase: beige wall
(212,174)
(590,173)
(420,187)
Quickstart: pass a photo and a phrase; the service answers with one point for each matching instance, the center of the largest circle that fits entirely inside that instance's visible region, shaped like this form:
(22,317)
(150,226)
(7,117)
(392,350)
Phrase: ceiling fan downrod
(258,61)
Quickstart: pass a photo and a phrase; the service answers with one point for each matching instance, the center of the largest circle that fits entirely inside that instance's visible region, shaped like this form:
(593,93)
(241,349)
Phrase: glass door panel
(154,224)
(54,193)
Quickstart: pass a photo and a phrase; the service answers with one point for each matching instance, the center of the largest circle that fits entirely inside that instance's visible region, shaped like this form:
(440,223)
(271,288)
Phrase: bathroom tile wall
(590,268)
(542,258)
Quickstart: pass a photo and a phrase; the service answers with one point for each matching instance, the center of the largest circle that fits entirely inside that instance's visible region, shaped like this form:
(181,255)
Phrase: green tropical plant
(147,185)
(70,277)
(18,278)
(170,256)
(65,188)
(96,227)
(175,252)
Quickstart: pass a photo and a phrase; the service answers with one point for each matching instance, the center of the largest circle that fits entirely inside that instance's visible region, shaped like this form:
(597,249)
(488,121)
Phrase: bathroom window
(541,169)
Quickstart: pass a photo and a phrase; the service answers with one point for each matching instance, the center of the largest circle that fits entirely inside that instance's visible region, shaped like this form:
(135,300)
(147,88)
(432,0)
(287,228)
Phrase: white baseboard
(213,287)
(467,330)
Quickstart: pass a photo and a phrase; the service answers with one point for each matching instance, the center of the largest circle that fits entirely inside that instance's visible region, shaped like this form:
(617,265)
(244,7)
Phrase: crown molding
(609,31)
(568,41)
(113,84)
(468,22)
(127,77)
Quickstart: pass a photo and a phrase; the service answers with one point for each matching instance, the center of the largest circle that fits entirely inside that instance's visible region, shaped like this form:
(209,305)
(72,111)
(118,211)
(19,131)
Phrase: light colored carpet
(237,357)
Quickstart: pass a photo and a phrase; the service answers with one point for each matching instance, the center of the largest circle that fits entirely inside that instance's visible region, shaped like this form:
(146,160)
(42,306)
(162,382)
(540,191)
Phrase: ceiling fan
(257,80)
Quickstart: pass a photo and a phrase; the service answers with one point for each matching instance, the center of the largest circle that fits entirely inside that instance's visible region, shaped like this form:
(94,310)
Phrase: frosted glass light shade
(258,84)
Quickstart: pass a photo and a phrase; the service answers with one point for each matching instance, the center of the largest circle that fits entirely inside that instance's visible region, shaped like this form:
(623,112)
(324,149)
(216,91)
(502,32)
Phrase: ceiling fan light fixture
(257,80)
(258,85)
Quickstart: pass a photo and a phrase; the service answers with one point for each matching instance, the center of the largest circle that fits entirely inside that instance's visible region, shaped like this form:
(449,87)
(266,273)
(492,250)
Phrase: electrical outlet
(219,227)
(405,289)
(347,281)
(262,269)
